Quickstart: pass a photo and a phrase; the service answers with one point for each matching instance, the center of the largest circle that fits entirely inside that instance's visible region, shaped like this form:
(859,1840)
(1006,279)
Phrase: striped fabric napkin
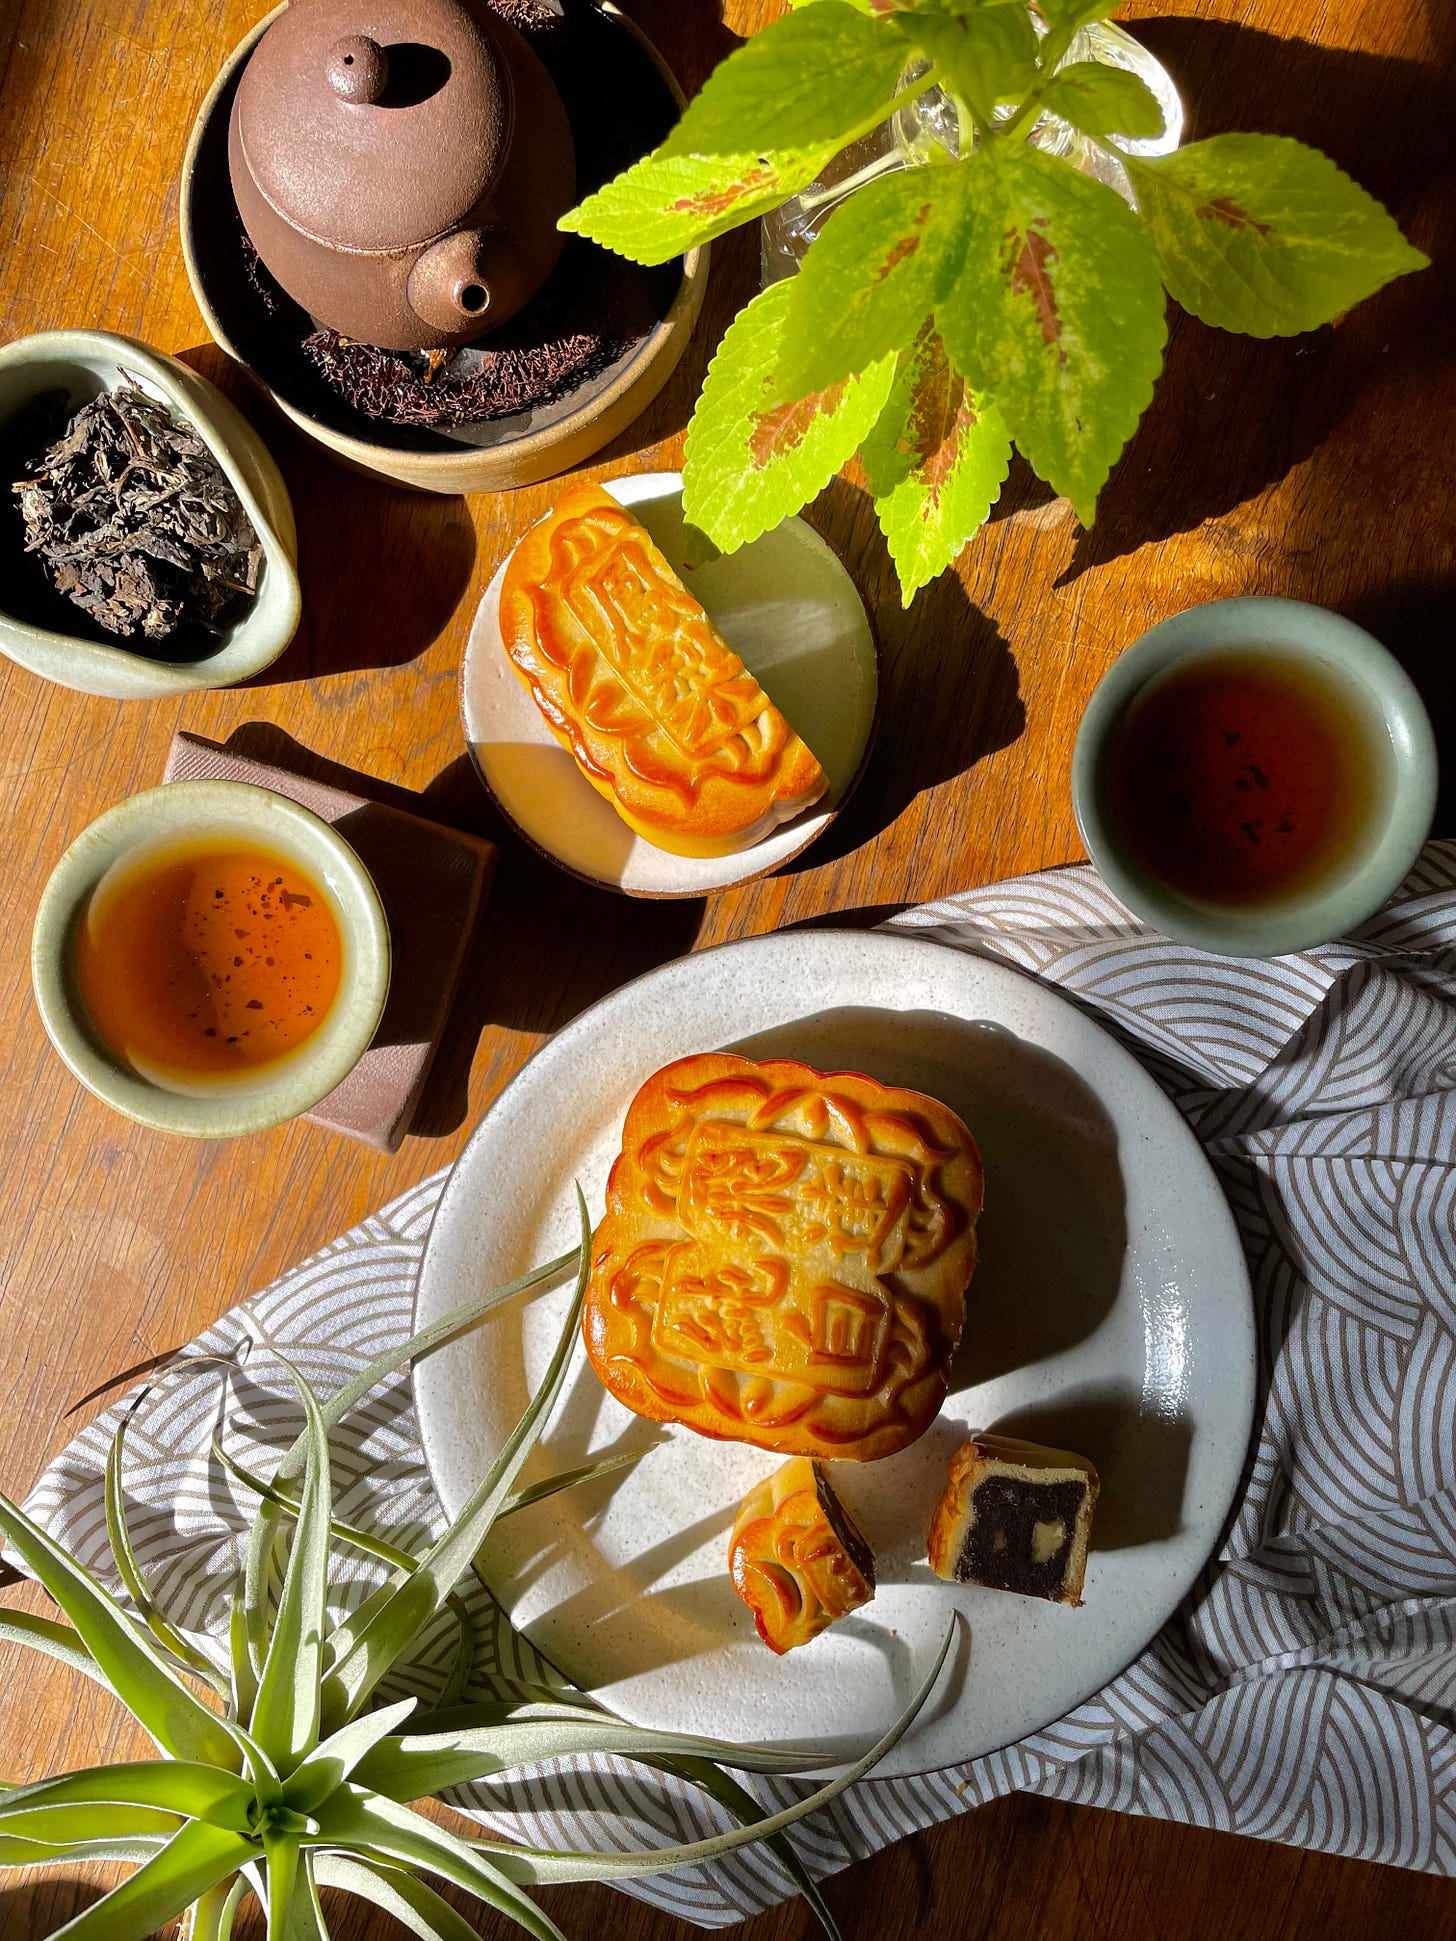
(1306,1690)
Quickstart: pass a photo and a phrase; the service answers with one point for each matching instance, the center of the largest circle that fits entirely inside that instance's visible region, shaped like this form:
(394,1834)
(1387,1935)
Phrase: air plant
(297,1778)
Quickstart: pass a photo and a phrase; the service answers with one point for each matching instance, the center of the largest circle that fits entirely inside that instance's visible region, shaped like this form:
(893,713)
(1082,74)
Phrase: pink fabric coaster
(432,881)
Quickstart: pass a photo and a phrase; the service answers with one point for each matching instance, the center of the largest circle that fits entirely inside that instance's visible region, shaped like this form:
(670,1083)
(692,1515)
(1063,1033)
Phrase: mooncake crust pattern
(631,675)
(795,1556)
(784,1256)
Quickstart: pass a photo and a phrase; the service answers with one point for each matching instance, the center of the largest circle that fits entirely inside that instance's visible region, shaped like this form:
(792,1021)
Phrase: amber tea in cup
(1243,776)
(207,960)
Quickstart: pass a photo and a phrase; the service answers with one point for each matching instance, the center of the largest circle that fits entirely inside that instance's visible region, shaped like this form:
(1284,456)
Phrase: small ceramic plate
(785,604)
(1110,1314)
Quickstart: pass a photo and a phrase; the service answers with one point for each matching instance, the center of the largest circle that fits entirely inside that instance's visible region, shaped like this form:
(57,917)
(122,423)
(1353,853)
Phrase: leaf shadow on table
(44,1904)
(1233,415)
(570,943)
(1416,620)
(383,569)
(949,687)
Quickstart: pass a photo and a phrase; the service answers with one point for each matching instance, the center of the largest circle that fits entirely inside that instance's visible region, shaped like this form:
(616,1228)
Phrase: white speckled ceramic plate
(1110,1314)
(785,604)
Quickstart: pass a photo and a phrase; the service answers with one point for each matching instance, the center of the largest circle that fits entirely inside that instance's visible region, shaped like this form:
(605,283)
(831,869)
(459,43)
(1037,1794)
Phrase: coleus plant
(291,1775)
(996,295)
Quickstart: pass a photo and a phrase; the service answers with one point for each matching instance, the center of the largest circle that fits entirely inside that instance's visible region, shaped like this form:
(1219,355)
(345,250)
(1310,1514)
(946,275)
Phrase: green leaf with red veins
(1104,101)
(935,462)
(754,455)
(666,204)
(885,258)
(1260,234)
(1058,315)
(766,122)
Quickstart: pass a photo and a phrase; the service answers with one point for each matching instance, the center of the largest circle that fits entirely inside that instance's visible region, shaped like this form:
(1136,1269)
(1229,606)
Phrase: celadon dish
(82,364)
(269,1094)
(1405,793)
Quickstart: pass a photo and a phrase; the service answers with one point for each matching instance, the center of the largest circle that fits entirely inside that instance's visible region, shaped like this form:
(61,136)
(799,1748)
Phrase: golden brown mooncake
(632,677)
(784,1256)
(795,1556)
(1015,1516)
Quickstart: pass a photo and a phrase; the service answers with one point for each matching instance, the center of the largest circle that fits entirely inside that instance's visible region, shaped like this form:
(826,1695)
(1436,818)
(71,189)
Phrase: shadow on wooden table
(949,689)
(1232,415)
(1416,620)
(44,1903)
(384,570)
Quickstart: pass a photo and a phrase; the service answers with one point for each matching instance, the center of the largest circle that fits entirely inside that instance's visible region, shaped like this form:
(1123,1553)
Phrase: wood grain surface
(1320,467)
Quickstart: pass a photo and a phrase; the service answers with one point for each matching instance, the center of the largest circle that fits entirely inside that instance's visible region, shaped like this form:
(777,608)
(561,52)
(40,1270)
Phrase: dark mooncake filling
(999,1550)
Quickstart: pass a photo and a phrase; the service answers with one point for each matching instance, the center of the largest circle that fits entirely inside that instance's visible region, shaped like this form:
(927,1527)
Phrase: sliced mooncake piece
(784,1256)
(1015,1517)
(630,674)
(795,1557)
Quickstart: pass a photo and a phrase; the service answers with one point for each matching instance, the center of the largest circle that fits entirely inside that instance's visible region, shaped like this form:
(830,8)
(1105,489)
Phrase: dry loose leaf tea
(136,523)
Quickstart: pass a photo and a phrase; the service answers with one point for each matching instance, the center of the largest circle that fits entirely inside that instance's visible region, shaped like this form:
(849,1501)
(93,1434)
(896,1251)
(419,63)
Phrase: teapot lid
(375,124)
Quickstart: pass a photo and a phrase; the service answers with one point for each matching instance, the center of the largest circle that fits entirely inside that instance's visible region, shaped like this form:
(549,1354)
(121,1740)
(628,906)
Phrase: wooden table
(1320,467)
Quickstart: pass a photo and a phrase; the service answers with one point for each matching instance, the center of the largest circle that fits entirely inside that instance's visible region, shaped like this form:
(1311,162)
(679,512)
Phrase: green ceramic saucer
(1405,800)
(272,1093)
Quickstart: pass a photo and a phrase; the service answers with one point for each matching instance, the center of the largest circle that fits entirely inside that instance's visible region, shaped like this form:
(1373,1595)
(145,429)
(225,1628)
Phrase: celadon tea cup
(1397,784)
(178,816)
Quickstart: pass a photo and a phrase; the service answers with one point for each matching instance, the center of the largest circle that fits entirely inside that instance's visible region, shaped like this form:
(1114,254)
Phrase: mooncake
(1015,1517)
(784,1256)
(795,1557)
(633,678)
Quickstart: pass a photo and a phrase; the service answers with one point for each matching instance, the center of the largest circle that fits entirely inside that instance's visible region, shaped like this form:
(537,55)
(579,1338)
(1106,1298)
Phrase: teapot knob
(452,286)
(358,69)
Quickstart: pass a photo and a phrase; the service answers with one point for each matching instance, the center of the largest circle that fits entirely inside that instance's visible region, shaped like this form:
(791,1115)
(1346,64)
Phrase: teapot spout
(464,284)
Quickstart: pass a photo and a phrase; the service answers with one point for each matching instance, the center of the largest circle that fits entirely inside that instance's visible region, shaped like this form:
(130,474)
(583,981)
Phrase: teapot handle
(457,281)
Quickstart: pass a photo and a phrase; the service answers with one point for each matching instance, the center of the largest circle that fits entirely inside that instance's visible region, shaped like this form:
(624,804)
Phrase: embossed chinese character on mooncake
(631,675)
(784,1256)
(795,1556)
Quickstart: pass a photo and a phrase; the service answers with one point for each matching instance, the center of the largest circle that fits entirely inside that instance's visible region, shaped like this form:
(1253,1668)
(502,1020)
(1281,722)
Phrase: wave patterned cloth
(1306,1689)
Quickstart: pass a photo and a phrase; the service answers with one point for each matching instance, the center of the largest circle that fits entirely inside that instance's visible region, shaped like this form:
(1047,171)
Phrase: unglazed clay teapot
(400,166)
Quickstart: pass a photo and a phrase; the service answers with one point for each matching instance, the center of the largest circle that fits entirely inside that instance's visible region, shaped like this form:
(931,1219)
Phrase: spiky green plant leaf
(134,1668)
(192,1861)
(413,1904)
(176,1786)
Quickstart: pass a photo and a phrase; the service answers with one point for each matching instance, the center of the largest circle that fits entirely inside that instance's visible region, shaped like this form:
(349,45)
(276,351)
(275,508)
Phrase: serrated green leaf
(752,457)
(1259,234)
(1058,315)
(175,1717)
(534,1866)
(983,57)
(935,462)
(666,204)
(413,1904)
(1103,100)
(810,77)
(179,1786)
(884,260)
(192,1861)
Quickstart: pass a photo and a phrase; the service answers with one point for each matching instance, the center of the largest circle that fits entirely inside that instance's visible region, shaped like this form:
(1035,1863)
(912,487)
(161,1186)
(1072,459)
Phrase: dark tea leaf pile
(136,523)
